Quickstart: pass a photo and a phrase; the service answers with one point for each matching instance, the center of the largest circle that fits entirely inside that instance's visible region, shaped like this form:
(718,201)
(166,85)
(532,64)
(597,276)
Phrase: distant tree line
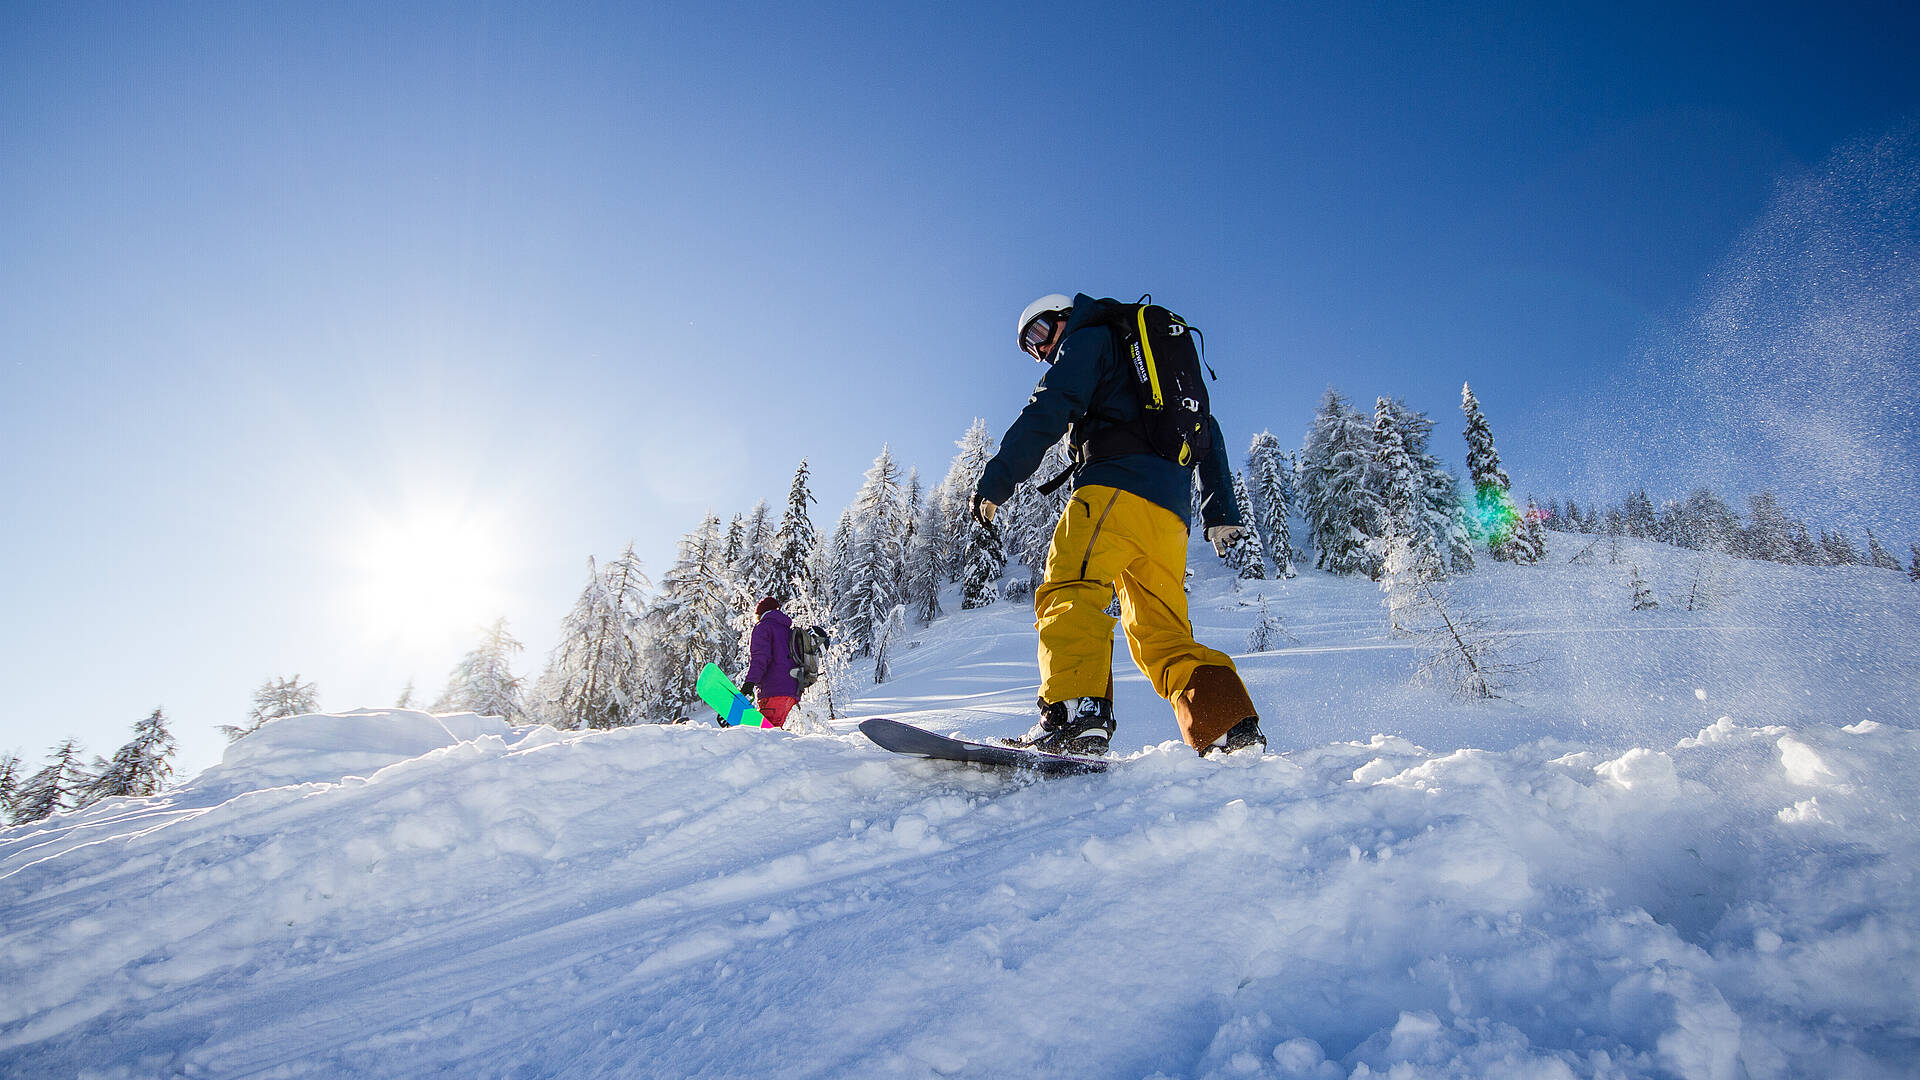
(1703,521)
(67,782)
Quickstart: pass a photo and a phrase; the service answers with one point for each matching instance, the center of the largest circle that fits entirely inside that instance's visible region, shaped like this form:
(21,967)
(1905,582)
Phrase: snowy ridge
(1578,882)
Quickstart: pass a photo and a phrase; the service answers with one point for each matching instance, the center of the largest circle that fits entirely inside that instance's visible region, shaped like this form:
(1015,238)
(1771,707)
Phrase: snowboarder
(1123,531)
(770,663)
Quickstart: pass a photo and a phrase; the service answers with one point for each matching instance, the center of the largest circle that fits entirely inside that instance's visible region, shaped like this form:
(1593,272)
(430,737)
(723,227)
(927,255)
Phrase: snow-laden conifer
(1641,522)
(1913,571)
(55,787)
(1339,508)
(405,700)
(597,675)
(699,617)
(1768,533)
(274,699)
(1642,596)
(963,478)
(926,569)
(1269,630)
(139,768)
(834,567)
(1529,543)
(1495,514)
(795,544)
(1879,556)
(1836,549)
(873,574)
(1247,555)
(9,786)
(986,561)
(483,681)
(1270,491)
(755,569)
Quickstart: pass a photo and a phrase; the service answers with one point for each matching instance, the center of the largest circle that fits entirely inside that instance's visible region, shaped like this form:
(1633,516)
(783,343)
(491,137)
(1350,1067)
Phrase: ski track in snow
(1684,846)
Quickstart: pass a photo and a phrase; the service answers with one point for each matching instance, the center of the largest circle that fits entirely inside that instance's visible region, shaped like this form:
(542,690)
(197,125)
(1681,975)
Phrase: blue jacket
(1088,385)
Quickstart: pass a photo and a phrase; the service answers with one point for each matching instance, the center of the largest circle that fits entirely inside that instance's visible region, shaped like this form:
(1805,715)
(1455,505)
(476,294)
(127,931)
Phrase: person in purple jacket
(770,669)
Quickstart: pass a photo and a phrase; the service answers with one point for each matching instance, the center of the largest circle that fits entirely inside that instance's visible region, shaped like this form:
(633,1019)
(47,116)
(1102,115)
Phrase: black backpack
(805,646)
(1162,352)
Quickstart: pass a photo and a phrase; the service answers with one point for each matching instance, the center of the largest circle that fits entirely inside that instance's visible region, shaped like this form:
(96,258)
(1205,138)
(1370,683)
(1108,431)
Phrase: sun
(425,575)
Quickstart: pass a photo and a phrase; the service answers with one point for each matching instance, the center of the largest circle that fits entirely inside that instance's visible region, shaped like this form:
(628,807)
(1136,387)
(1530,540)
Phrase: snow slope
(1683,846)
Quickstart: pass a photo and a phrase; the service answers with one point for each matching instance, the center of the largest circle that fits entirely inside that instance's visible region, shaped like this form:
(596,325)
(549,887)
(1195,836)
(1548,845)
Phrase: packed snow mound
(322,748)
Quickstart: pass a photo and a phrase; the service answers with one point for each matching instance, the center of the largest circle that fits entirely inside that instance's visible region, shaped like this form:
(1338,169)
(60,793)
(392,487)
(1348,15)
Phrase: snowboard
(919,742)
(717,690)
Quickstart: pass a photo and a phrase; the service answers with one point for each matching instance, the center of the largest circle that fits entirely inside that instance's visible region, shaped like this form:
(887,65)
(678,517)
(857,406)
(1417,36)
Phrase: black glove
(747,689)
(982,510)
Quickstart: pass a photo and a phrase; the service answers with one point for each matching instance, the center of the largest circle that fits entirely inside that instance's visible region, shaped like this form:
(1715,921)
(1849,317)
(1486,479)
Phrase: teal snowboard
(718,691)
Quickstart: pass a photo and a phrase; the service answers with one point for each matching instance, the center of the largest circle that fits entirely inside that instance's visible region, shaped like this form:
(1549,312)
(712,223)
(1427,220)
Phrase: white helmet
(1048,303)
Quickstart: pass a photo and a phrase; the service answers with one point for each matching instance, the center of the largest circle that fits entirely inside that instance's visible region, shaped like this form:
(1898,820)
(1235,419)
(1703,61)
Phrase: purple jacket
(771,666)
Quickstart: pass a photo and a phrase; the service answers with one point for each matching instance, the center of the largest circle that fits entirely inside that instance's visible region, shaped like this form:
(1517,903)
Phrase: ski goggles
(1039,332)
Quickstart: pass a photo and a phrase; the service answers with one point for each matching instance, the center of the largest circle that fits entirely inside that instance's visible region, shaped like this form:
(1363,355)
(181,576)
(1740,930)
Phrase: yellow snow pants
(1110,541)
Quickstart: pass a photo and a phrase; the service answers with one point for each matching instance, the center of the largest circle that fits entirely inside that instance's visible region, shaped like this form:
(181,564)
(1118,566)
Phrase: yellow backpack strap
(1146,351)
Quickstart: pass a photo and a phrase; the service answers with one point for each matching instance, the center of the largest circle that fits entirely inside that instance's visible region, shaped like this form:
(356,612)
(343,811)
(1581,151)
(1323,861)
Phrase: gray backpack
(806,646)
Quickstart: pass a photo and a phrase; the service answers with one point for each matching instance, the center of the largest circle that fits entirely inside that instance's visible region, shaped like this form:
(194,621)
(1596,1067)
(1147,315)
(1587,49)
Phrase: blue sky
(290,293)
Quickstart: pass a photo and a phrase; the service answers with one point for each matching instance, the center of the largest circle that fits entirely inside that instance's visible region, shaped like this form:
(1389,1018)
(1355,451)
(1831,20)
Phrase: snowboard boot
(1079,726)
(1242,735)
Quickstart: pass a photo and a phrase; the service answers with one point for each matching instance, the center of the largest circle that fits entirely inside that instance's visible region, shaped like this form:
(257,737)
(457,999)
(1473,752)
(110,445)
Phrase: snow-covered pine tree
(483,681)
(755,568)
(697,618)
(405,700)
(1878,556)
(963,476)
(1642,596)
(140,768)
(597,674)
(1400,489)
(1805,551)
(1641,522)
(916,497)
(9,786)
(1442,519)
(735,549)
(926,568)
(1769,533)
(1913,571)
(274,699)
(1529,539)
(873,572)
(985,562)
(1247,555)
(1269,631)
(1270,491)
(1837,549)
(1338,507)
(833,565)
(56,787)
(795,543)
(1495,514)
